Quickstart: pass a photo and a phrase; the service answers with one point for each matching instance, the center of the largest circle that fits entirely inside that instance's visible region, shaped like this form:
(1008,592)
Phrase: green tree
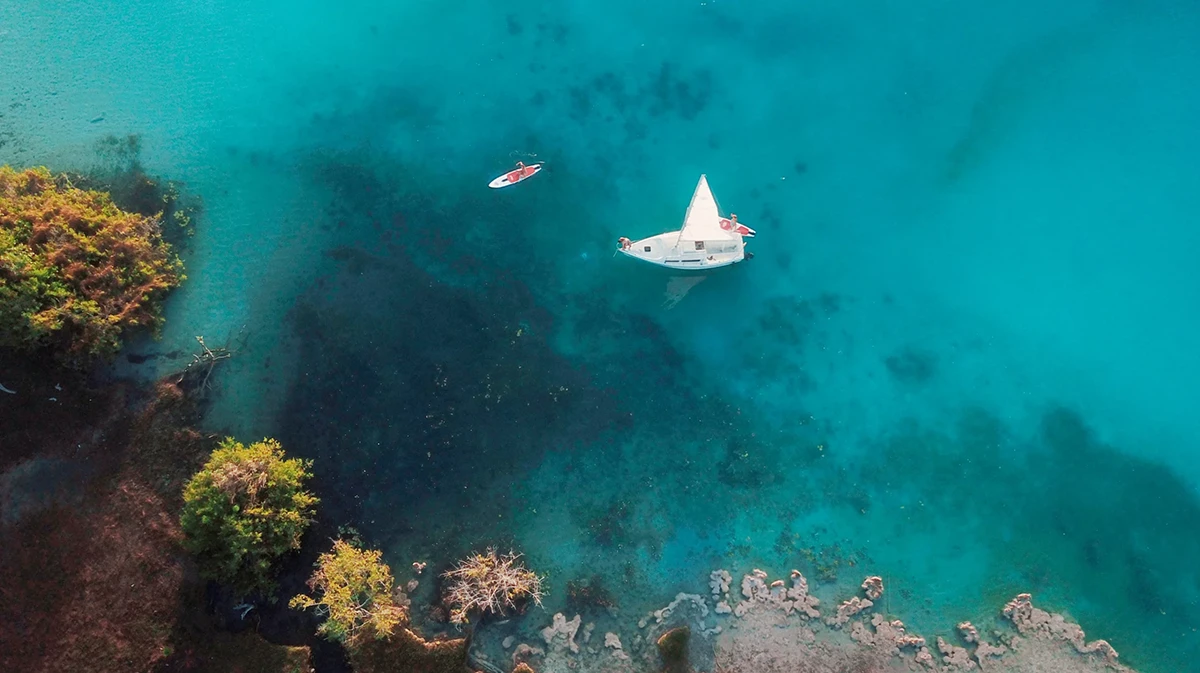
(243,510)
(354,594)
(76,271)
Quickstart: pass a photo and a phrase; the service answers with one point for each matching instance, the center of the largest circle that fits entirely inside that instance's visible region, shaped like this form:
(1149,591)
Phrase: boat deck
(664,250)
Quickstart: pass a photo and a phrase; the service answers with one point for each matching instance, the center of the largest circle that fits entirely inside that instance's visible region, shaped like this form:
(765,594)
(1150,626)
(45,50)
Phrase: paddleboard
(514,176)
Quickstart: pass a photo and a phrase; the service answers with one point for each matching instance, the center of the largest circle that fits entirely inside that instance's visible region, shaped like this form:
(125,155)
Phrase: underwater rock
(985,650)
(723,608)
(523,668)
(508,641)
(587,632)
(873,586)
(801,600)
(613,641)
(754,587)
(769,640)
(847,610)
(859,633)
(681,598)
(890,636)
(718,581)
(672,647)
(765,638)
(525,652)
(796,598)
(565,629)
(955,657)
(1031,621)
(401,599)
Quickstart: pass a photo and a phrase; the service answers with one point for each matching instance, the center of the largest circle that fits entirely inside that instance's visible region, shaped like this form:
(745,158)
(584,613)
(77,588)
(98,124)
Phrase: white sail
(703,221)
(706,241)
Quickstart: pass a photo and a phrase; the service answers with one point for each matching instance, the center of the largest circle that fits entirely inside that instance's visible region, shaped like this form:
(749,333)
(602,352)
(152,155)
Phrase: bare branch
(490,583)
(206,360)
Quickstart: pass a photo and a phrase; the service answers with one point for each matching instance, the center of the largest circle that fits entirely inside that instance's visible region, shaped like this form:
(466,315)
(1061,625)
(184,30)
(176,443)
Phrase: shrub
(244,509)
(488,583)
(354,594)
(75,270)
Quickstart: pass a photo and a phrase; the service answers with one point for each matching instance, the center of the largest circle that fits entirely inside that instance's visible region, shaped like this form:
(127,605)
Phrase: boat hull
(663,250)
(706,265)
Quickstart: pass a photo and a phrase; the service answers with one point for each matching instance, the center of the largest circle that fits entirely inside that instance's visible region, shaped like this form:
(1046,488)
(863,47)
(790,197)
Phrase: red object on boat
(742,229)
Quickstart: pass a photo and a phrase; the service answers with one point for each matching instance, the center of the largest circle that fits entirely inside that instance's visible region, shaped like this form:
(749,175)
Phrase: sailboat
(706,241)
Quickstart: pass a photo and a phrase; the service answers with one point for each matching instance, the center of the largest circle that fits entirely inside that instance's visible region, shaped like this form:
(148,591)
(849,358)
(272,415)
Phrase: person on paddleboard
(522,171)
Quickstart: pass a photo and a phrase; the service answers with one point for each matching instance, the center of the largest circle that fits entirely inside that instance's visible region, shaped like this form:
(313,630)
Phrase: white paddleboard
(514,176)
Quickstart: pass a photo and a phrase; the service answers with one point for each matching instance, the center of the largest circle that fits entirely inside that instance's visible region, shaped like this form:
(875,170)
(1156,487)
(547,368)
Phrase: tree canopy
(243,510)
(354,593)
(76,271)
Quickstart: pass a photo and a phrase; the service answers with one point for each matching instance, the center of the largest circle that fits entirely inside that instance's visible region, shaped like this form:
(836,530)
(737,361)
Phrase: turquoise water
(963,357)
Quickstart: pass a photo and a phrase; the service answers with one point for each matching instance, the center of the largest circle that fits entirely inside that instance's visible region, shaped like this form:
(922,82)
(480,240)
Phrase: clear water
(963,358)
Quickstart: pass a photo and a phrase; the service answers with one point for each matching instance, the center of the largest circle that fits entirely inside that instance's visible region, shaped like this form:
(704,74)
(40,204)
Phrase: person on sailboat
(625,243)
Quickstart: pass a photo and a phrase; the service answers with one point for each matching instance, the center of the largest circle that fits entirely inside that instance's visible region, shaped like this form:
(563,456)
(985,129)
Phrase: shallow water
(963,357)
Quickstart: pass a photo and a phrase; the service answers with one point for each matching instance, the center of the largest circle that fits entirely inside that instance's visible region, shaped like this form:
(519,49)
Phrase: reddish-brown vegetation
(98,581)
(75,270)
(94,575)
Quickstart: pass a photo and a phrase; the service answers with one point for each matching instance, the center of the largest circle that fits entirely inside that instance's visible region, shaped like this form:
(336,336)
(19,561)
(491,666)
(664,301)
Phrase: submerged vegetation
(120,173)
(243,510)
(76,271)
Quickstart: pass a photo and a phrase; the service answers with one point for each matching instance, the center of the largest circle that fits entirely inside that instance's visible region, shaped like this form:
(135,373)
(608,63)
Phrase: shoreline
(780,627)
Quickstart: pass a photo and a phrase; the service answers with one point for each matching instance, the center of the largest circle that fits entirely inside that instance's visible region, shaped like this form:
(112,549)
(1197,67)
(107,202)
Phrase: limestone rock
(719,581)
(955,657)
(562,630)
(873,586)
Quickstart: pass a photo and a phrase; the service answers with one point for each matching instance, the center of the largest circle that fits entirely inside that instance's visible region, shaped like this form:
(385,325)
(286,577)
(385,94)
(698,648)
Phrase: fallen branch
(206,360)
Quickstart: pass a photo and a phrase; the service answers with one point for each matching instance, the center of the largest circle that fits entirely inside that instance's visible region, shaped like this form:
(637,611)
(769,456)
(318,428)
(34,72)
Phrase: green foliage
(244,509)
(75,270)
(354,594)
